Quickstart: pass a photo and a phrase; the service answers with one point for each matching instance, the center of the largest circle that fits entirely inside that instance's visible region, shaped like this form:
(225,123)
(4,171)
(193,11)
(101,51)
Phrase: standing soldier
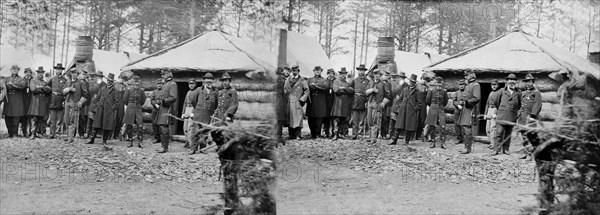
(205,105)
(359,104)
(508,104)
(423,87)
(387,110)
(94,87)
(316,110)
(155,101)
(437,99)
(76,94)
(84,109)
(57,83)
(531,105)
(282,101)
(397,87)
(167,103)
(297,91)
(24,121)
(342,104)
(104,118)
(408,111)
(227,101)
(379,96)
(328,120)
(188,109)
(469,105)
(490,111)
(134,98)
(120,87)
(38,108)
(458,96)
(13,109)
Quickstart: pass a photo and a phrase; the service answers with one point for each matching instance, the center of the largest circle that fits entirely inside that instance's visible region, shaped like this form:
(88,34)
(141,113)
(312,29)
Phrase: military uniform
(296,89)
(119,90)
(422,88)
(282,107)
(408,111)
(386,112)
(94,88)
(437,99)
(342,104)
(375,108)
(13,109)
(155,101)
(469,112)
(359,104)
(458,96)
(38,108)
(168,105)
(134,97)
(531,105)
(329,98)
(104,119)
(227,104)
(508,104)
(74,100)
(316,110)
(24,120)
(205,106)
(56,103)
(490,111)
(188,109)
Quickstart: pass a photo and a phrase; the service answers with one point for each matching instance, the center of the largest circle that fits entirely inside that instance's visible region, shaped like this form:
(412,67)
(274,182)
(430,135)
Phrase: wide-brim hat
(362,67)
(413,78)
(226,76)
(295,65)
(208,77)
(318,68)
(330,71)
(511,76)
(99,73)
(528,77)
(402,74)
(15,67)
(59,66)
(462,82)
(110,77)
(343,71)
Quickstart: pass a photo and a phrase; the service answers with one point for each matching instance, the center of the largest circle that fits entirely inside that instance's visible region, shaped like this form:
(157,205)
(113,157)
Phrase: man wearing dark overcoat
(155,102)
(423,87)
(76,94)
(508,104)
(38,108)
(342,104)
(95,84)
(379,96)
(437,99)
(13,109)
(205,105)
(531,105)
(120,87)
(107,104)
(359,104)
(297,91)
(227,100)
(408,110)
(469,106)
(57,83)
(316,109)
(167,103)
(282,101)
(328,120)
(397,87)
(134,98)
(24,120)
(458,97)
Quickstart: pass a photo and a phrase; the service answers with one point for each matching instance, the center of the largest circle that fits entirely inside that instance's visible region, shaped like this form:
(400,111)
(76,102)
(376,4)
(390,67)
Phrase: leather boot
(443,140)
(432,144)
(164,139)
(468,142)
(130,144)
(140,135)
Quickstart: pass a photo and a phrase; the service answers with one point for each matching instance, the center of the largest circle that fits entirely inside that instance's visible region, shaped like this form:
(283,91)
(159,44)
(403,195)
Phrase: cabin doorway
(486,89)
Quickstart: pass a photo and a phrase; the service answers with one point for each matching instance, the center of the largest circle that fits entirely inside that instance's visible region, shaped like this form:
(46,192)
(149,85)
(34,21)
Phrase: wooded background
(345,29)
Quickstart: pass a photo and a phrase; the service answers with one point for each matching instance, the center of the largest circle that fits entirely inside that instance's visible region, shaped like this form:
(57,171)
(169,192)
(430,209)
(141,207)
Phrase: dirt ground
(307,184)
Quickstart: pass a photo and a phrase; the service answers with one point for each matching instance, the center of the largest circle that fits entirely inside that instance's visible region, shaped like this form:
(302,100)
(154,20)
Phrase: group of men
(384,105)
(86,103)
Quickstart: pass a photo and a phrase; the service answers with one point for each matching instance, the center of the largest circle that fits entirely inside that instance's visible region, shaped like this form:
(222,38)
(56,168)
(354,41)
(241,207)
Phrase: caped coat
(317,102)
(281,101)
(360,85)
(508,105)
(106,107)
(40,97)
(134,98)
(15,90)
(296,89)
(437,99)
(94,88)
(168,98)
(57,98)
(408,110)
(531,105)
(227,103)
(205,105)
(471,98)
(397,91)
(343,93)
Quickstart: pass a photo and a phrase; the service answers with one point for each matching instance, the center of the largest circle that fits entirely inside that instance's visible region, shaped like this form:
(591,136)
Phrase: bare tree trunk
(591,24)
(290,11)
(320,20)
(367,39)
(450,45)
(141,41)
(355,40)
(441,27)
(192,19)
(362,42)
(62,53)
(537,31)
(69,11)
(55,36)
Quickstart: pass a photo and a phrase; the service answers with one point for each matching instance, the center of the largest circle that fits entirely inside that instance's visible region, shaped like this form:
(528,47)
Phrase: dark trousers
(391,127)
(328,125)
(341,126)
(105,134)
(25,125)
(12,125)
(156,131)
(315,124)
(117,131)
(56,119)
(358,122)
(294,132)
(165,136)
(81,127)
(37,125)
(279,127)
(502,141)
(385,129)
(129,129)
